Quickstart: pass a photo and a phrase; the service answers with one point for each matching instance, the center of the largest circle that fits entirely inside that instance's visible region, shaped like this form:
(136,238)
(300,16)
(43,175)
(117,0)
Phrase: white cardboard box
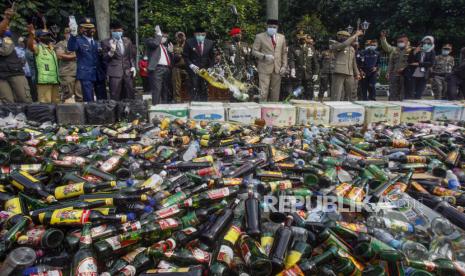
(310,112)
(443,110)
(413,112)
(245,113)
(376,112)
(172,111)
(345,113)
(207,112)
(206,103)
(277,114)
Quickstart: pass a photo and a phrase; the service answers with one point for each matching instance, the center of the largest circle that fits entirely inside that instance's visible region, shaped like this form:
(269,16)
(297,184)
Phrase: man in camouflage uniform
(67,65)
(303,63)
(327,67)
(441,69)
(179,72)
(237,54)
(398,56)
(13,83)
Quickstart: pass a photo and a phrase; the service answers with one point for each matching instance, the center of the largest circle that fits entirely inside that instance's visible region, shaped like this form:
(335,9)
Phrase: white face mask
(401,45)
(163,40)
(271,31)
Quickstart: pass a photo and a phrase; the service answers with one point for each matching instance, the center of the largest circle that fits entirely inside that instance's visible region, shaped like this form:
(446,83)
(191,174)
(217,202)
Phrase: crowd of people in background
(81,68)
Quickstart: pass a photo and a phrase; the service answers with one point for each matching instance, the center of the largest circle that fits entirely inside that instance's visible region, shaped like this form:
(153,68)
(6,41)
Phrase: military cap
(87,22)
(272,22)
(343,33)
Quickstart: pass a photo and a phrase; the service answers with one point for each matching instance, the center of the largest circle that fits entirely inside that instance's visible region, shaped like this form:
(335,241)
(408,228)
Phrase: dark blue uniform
(90,70)
(369,64)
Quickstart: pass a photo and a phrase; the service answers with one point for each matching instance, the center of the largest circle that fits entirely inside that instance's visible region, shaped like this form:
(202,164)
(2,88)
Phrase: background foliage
(444,19)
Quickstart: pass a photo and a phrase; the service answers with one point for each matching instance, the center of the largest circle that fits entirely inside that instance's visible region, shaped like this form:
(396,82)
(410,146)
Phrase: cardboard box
(206,103)
(413,112)
(443,110)
(310,112)
(172,111)
(207,112)
(345,113)
(245,113)
(280,115)
(376,112)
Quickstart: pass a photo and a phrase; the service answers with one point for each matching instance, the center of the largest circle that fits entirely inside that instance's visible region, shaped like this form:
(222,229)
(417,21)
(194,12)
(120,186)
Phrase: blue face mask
(271,31)
(117,35)
(445,52)
(426,47)
(200,38)
(372,48)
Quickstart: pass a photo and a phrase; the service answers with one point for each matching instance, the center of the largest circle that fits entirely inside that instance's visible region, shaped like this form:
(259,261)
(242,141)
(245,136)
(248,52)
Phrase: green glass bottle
(254,256)
(84,261)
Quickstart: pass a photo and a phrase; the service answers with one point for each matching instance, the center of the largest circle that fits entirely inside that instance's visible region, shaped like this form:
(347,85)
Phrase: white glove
(158,30)
(282,71)
(293,73)
(133,71)
(269,57)
(170,47)
(112,46)
(233,59)
(194,68)
(315,77)
(73,30)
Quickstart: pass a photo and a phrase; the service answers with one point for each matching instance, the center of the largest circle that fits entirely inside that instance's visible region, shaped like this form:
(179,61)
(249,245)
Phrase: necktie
(200,47)
(166,55)
(273,41)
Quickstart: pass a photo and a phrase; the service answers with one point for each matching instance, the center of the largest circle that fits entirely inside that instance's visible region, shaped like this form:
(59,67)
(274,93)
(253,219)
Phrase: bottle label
(69,217)
(168,224)
(87,267)
(128,270)
(110,164)
(416,159)
(13,206)
(218,193)
(293,271)
(48,273)
(225,255)
(71,190)
(114,242)
(232,181)
(292,258)
(132,255)
(342,189)
(398,225)
(167,212)
(266,244)
(440,191)
(356,227)
(95,231)
(418,187)
(246,253)
(200,255)
(189,230)
(400,143)
(34,235)
(356,194)
(233,234)
(190,219)
(280,185)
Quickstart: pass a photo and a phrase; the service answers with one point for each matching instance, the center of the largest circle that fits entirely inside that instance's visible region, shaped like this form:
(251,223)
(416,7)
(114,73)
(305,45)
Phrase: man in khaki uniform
(13,83)
(179,72)
(345,66)
(67,64)
(270,50)
(442,68)
(398,61)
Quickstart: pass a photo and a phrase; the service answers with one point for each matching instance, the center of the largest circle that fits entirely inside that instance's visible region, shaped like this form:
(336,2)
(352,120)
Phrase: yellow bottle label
(13,206)
(266,243)
(207,158)
(70,190)
(104,211)
(292,258)
(233,234)
(280,185)
(342,189)
(204,143)
(69,217)
(356,194)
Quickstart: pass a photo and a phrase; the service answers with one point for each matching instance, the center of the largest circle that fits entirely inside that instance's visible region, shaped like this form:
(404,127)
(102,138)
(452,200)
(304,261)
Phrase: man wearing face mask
(442,68)
(237,54)
(199,54)
(161,61)
(345,66)
(304,64)
(70,86)
(90,70)
(399,81)
(119,57)
(180,75)
(420,61)
(270,50)
(48,83)
(13,84)
(369,65)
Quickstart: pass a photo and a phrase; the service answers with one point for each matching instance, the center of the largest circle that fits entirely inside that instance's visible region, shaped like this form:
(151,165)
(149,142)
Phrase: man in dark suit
(160,64)
(89,65)
(198,54)
(119,58)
